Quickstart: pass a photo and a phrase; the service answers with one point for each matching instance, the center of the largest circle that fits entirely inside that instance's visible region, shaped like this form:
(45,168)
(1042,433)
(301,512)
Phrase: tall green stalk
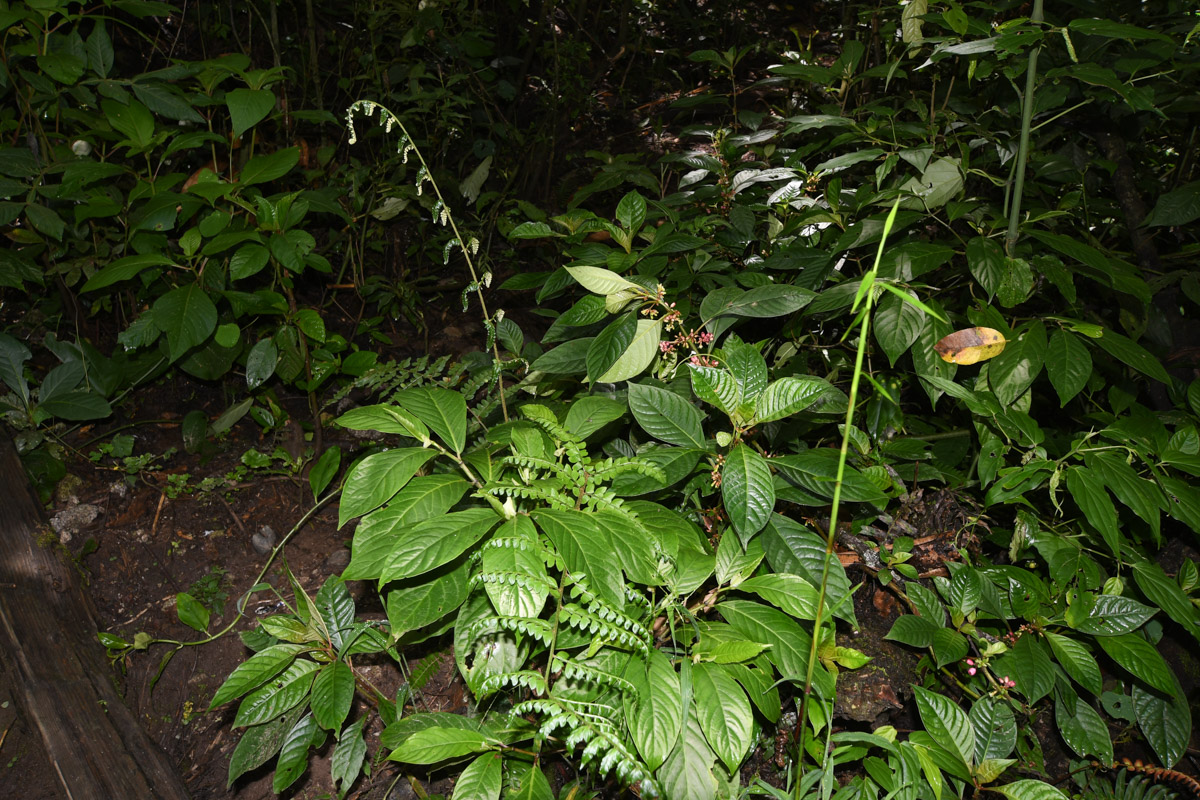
(1014,210)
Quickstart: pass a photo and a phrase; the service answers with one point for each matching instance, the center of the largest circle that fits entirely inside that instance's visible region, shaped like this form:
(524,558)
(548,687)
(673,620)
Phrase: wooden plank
(64,684)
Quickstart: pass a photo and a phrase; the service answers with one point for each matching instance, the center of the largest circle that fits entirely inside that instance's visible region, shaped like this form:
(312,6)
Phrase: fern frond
(538,629)
(546,493)
(616,631)
(578,670)
(522,579)
(610,468)
(526,678)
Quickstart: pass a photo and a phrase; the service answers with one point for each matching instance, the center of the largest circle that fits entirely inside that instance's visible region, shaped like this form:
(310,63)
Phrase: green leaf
(437,541)
(1068,365)
(413,607)
(332,694)
(324,470)
(386,419)
(293,754)
(723,712)
(133,120)
(716,386)
(748,491)
(1012,372)
(248,107)
(166,101)
(788,396)
(76,406)
(260,363)
(913,630)
(531,786)
(518,599)
(443,410)
(1077,661)
(589,414)
(687,773)
(637,356)
(948,724)
(791,593)
(1133,354)
(431,745)
(1112,615)
(256,670)
(423,498)
(654,713)
(986,261)
(1028,664)
(603,281)
(191,612)
(995,728)
(771,300)
(348,757)
(125,268)
(1166,721)
(187,316)
(789,642)
(480,780)
(631,212)
(1177,207)
(1029,789)
(278,695)
(586,550)
(566,359)
(792,548)
(748,367)
(607,348)
(377,478)
(262,169)
(666,416)
(1115,30)
(897,325)
(1143,497)
(1088,491)
(260,744)
(1082,727)
(1167,595)
(1140,659)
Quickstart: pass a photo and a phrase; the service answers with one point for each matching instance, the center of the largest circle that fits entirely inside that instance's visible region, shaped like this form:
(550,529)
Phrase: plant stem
(1014,212)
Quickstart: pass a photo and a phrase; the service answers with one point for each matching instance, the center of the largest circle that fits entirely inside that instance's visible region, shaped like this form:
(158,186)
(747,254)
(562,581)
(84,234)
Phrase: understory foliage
(626,525)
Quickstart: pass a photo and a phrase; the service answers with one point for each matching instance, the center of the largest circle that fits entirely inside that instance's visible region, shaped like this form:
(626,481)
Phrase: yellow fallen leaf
(971,345)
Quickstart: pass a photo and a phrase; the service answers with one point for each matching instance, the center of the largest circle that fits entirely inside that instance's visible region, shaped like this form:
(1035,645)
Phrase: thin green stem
(1014,213)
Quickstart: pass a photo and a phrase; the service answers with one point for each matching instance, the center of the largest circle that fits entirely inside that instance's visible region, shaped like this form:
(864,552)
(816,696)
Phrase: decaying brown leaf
(971,345)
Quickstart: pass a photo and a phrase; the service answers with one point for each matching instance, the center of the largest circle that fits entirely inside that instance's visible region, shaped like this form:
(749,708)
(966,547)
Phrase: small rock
(64,492)
(264,540)
(338,560)
(70,521)
(118,489)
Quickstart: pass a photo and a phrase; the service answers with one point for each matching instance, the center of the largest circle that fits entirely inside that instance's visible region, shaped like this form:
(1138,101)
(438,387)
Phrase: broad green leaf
(262,169)
(1068,364)
(602,281)
(788,396)
(723,712)
(131,119)
(771,300)
(293,754)
(897,325)
(654,713)
(913,630)
(1133,354)
(666,416)
(948,724)
(791,593)
(676,464)
(748,367)
(248,260)
(324,470)
(424,497)
(1088,491)
(260,363)
(348,757)
(187,316)
(332,694)
(586,549)
(757,679)
(716,386)
(1166,721)
(631,546)
(278,695)
(437,541)
(748,491)
(636,357)
(443,410)
(1140,659)
(1167,595)
(386,419)
(1082,728)
(1029,789)
(1112,615)
(413,607)
(589,414)
(260,744)
(566,359)
(191,612)
(789,642)
(1115,30)
(687,773)
(792,548)
(530,786)
(986,261)
(519,557)
(1177,207)
(816,471)
(1142,496)
(248,107)
(255,671)
(1028,664)
(995,728)
(1012,372)
(1077,661)
(431,745)
(481,780)
(377,478)
(123,269)
(631,213)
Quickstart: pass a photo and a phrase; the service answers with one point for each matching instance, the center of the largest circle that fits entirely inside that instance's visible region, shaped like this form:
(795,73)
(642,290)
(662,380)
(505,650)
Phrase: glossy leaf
(480,780)
(654,712)
(897,325)
(443,410)
(293,754)
(187,316)
(723,712)
(1077,661)
(788,396)
(1140,659)
(666,416)
(436,542)
(255,671)
(348,757)
(1165,721)
(602,281)
(377,478)
(1012,372)
(332,694)
(1088,491)
(280,694)
(948,724)
(748,491)
(422,498)
(995,728)
(586,550)
(432,745)
(1068,364)
(1082,727)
